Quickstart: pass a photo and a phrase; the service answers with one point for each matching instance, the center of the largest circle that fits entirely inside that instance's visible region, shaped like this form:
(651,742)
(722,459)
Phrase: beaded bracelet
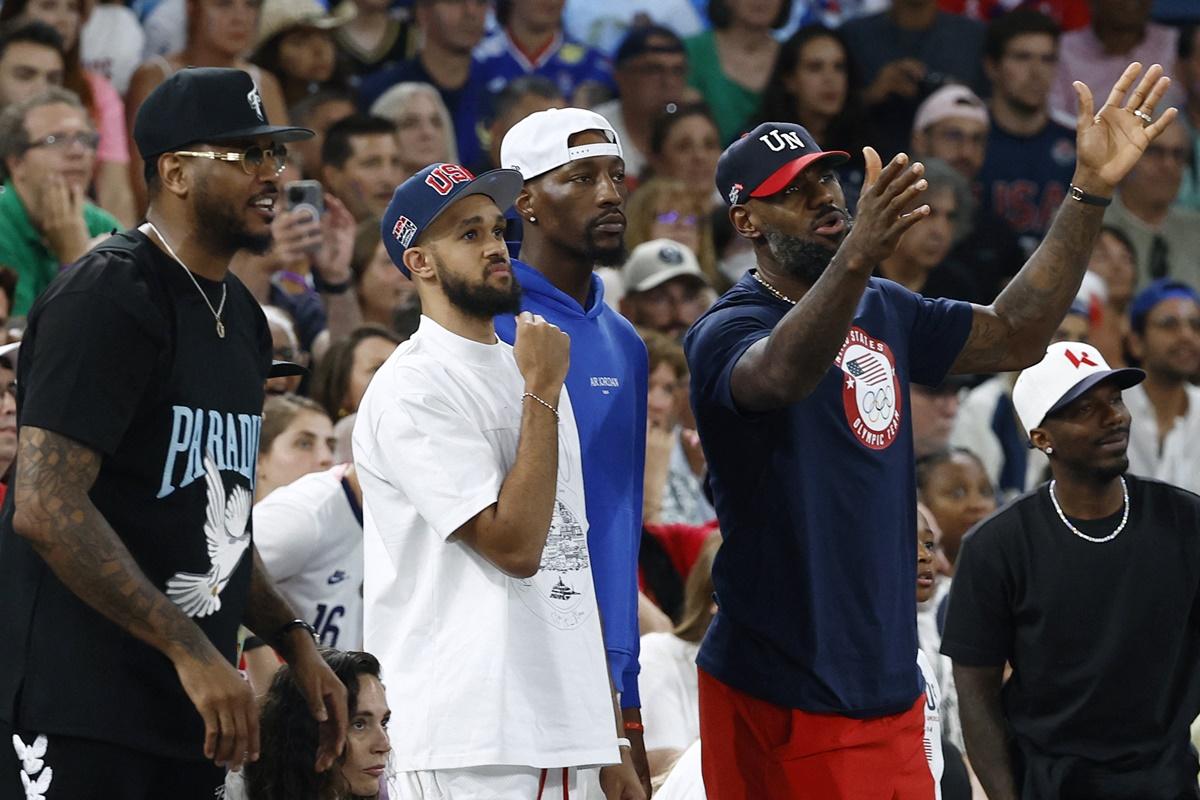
(543,402)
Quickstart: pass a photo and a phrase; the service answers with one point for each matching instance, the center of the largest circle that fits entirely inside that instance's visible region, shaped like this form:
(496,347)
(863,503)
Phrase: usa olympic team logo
(870,389)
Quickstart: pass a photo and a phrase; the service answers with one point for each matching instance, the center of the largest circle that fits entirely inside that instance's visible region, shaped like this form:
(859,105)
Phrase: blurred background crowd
(979,90)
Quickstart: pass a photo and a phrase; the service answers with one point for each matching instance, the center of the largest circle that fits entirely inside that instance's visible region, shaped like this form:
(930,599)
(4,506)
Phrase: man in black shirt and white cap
(126,560)
(1089,587)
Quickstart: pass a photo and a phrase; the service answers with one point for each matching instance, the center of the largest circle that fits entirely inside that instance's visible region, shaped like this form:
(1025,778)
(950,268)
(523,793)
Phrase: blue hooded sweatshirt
(607,383)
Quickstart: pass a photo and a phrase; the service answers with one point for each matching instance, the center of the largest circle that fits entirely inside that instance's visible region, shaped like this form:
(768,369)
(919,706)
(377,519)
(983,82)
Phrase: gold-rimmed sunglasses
(253,159)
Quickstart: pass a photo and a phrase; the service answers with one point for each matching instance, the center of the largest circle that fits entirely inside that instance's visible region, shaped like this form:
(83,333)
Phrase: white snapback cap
(1068,370)
(538,143)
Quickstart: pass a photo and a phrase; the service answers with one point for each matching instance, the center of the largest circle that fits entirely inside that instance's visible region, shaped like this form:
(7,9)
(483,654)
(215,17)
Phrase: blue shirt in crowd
(1024,179)
(567,63)
(466,104)
(607,381)
(816,579)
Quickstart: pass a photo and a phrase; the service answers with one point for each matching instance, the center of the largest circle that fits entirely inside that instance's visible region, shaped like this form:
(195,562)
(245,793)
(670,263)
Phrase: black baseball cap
(422,198)
(647,39)
(765,160)
(205,105)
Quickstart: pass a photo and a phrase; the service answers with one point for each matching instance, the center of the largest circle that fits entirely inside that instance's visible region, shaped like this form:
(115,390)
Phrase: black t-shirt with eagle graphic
(122,355)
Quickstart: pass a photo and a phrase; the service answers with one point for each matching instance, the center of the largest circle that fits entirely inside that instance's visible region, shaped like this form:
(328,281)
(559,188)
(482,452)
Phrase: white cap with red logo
(1066,371)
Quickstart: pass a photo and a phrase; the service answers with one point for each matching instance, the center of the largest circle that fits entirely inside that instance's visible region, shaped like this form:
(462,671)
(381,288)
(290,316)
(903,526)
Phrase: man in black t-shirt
(126,561)
(1089,587)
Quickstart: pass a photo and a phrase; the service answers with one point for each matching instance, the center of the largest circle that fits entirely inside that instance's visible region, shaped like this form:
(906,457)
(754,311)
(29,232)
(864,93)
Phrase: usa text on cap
(421,199)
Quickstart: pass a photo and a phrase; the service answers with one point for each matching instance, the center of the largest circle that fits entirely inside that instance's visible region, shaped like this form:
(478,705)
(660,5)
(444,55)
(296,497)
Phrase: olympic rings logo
(877,404)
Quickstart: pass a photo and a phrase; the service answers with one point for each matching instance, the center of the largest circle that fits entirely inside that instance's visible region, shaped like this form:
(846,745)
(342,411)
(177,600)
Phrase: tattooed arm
(52,509)
(1012,333)
(266,613)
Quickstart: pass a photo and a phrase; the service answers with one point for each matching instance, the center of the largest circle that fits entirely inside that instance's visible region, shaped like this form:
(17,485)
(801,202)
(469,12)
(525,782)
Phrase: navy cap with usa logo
(421,199)
(765,160)
(205,105)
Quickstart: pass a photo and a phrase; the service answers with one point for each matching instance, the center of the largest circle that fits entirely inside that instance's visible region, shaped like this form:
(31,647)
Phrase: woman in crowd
(383,291)
(730,64)
(670,697)
(342,376)
(296,44)
(665,208)
(675,467)
(219,33)
(288,736)
(685,146)
(423,125)
(814,84)
(955,486)
(296,439)
(112,186)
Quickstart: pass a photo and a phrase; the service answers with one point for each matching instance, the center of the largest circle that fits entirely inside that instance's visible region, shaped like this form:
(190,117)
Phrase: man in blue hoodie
(571,213)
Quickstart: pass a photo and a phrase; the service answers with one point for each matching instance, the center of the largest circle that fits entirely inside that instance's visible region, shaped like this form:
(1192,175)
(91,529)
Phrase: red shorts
(755,750)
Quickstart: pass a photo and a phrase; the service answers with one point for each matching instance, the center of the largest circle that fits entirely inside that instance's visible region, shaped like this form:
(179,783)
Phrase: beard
(222,228)
(801,258)
(603,256)
(478,300)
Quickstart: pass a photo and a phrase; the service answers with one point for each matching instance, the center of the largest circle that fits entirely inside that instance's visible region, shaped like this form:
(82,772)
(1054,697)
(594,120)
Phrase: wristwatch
(296,623)
(331,288)
(1090,199)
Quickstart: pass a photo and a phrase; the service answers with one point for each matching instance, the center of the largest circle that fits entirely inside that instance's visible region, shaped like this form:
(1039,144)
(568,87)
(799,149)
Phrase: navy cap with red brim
(766,160)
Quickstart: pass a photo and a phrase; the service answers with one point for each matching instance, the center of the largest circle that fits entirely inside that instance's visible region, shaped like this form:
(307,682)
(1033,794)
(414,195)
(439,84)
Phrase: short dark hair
(518,89)
(670,116)
(926,464)
(336,148)
(32,32)
(1020,22)
(721,17)
(306,106)
(1122,237)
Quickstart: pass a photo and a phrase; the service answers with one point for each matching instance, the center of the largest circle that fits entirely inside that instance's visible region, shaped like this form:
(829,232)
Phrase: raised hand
(882,217)
(1108,142)
(543,354)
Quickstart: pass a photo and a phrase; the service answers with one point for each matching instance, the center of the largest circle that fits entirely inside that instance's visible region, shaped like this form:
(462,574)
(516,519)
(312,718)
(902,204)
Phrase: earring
(532,220)
(1049,450)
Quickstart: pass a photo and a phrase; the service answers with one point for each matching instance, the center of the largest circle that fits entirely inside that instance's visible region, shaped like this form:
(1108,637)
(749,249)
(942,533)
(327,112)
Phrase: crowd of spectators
(980,92)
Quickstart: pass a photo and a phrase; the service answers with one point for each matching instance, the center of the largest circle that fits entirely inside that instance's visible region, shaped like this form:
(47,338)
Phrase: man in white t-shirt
(478,595)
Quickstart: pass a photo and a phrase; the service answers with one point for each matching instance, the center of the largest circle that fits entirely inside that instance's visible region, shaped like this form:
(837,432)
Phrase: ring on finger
(1142,115)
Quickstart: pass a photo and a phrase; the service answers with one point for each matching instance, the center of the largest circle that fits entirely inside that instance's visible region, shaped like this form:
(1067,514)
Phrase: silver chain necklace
(216,312)
(1081,534)
(772,289)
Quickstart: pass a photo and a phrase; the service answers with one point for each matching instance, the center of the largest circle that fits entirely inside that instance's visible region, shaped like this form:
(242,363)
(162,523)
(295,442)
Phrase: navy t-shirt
(1025,179)
(816,578)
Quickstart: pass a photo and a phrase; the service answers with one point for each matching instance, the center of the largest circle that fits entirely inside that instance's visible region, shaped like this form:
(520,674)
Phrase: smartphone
(305,196)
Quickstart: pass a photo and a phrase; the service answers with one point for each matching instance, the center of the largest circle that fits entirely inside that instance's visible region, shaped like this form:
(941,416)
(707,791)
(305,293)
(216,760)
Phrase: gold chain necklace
(772,289)
(216,312)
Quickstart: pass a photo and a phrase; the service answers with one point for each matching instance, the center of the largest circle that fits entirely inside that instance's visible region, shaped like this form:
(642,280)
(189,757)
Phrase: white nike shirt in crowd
(309,535)
(484,669)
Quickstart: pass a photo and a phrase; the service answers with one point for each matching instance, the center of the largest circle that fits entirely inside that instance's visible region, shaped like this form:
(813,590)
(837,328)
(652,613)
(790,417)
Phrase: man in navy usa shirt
(809,685)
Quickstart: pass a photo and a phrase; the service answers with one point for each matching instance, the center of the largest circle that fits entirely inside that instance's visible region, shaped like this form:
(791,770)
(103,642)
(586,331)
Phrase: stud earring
(1049,450)
(532,220)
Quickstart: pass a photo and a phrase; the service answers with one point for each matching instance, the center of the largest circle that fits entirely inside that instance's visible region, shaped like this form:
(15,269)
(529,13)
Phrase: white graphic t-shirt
(488,669)
(933,724)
